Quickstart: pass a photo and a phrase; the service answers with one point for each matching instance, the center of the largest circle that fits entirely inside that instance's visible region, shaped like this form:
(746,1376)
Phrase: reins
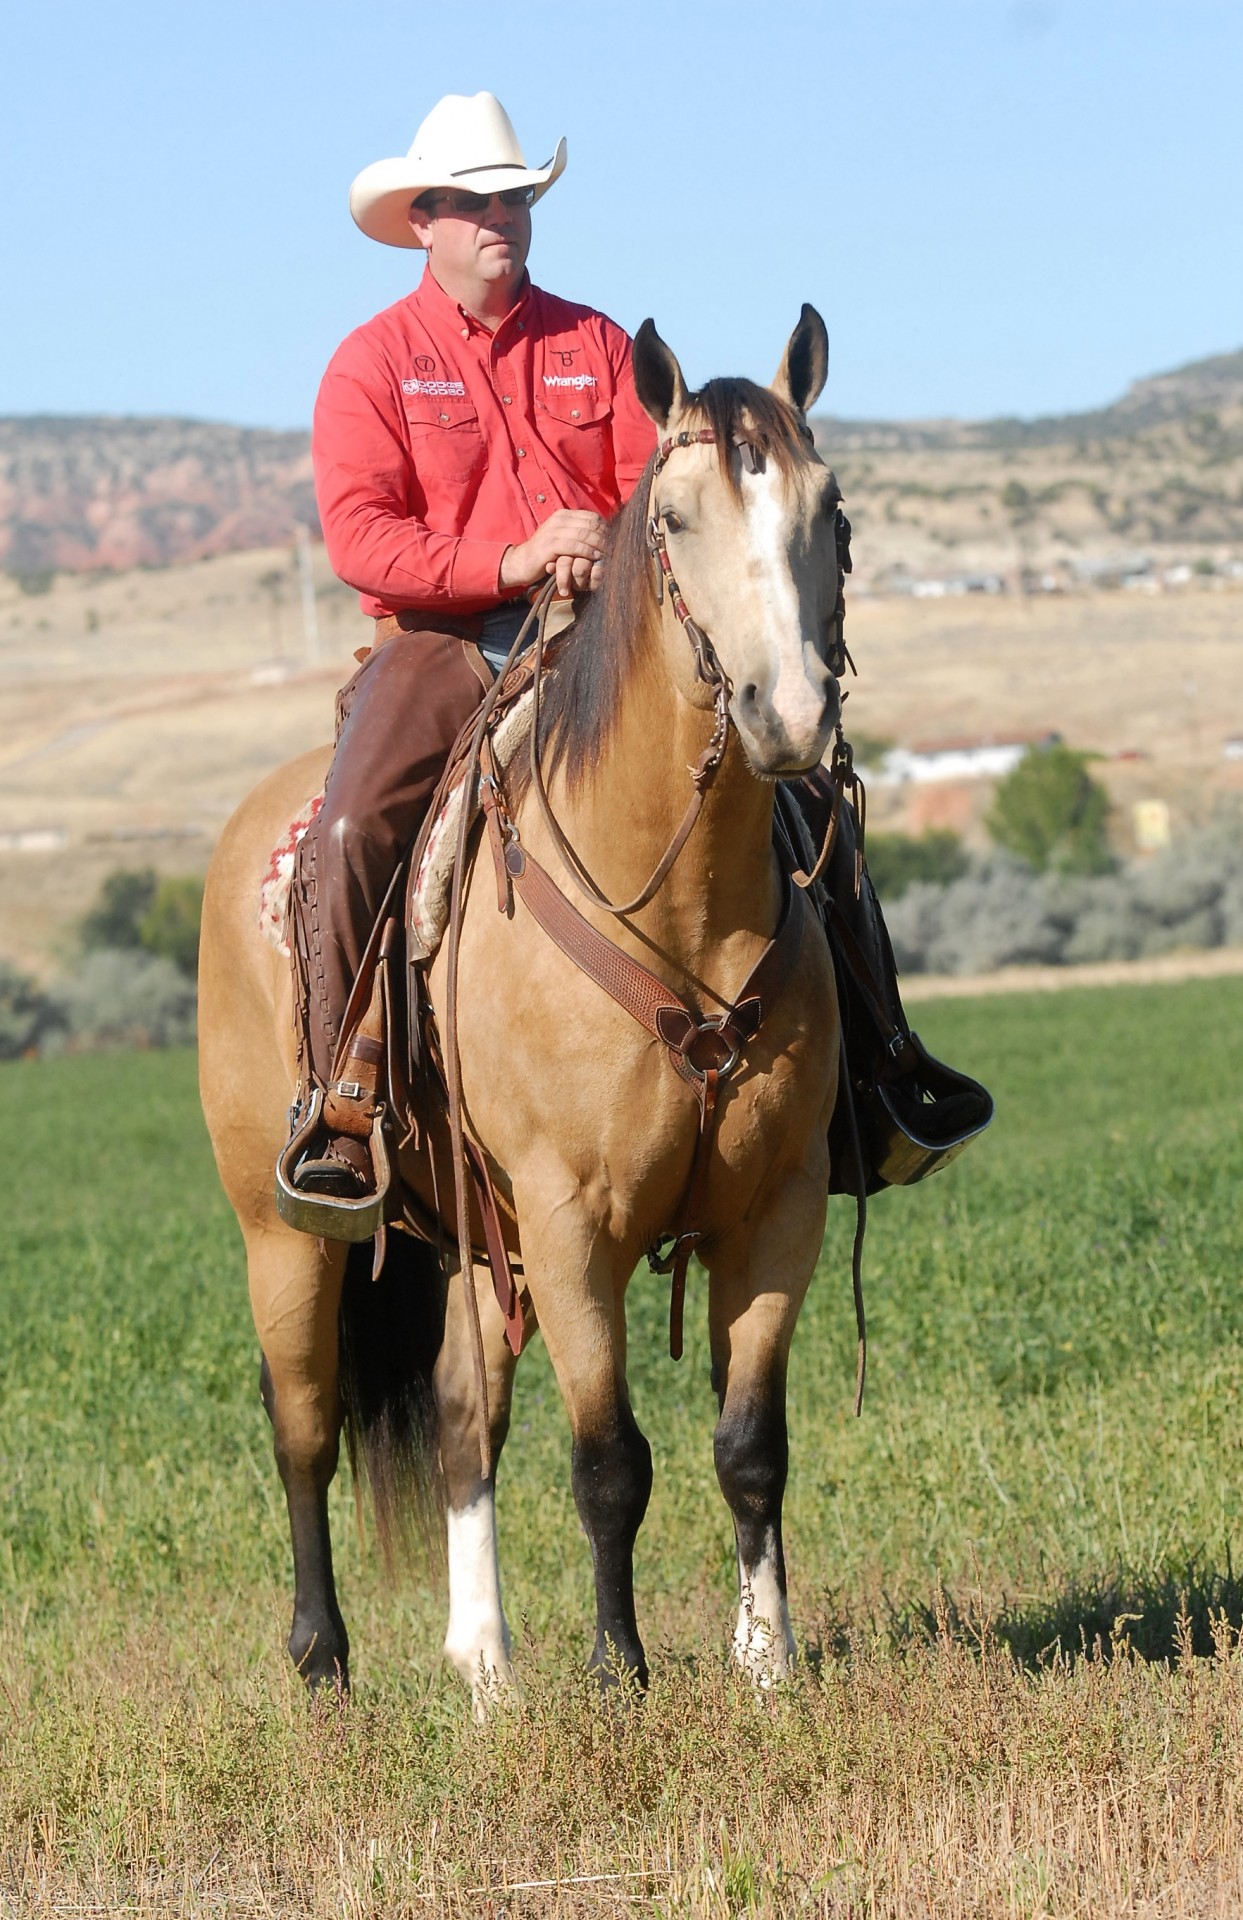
(703,773)
(704,1051)
(452,1057)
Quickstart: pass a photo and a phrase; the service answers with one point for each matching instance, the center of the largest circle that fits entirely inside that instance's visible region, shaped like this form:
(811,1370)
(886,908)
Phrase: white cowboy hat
(466,141)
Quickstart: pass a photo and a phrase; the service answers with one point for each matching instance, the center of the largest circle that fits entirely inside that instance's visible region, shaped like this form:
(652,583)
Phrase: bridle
(708,669)
(705,1052)
(711,673)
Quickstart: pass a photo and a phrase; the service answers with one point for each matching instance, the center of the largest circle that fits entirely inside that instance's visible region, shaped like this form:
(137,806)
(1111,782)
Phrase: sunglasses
(468,203)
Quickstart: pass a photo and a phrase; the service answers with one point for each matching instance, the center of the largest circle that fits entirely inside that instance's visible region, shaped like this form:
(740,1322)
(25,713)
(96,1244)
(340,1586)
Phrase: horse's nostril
(748,696)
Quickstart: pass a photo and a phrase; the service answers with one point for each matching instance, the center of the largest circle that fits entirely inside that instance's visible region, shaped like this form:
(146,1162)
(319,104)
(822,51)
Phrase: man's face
(487,245)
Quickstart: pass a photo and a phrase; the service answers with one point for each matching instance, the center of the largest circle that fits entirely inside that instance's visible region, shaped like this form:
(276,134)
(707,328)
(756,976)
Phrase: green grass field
(1022,1694)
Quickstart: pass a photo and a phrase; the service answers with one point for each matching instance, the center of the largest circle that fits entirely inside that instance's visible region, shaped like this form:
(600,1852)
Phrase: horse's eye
(674,522)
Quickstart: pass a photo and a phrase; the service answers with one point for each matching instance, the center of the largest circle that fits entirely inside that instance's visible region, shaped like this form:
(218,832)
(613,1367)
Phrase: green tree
(170,926)
(136,910)
(1052,813)
(116,918)
(25,1013)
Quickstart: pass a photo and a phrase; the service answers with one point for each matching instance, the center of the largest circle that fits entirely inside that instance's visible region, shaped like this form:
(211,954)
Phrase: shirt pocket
(576,423)
(446,441)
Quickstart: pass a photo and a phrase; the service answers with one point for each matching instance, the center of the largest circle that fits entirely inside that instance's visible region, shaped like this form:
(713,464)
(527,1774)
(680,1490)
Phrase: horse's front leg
(477,1637)
(579,1289)
(757,1286)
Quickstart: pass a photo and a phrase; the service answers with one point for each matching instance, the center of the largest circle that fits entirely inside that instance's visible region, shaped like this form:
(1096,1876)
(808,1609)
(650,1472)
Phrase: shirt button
(574,413)
(466,333)
(444,416)
(541,497)
(508,399)
(522,453)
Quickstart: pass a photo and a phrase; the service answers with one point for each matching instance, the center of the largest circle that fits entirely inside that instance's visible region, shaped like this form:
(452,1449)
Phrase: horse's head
(746,510)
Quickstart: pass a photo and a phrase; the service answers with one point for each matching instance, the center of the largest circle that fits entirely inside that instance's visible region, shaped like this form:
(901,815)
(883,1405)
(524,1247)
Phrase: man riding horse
(469,444)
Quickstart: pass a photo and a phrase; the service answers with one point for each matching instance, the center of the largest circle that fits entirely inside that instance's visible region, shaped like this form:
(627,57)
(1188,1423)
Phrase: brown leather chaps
(397,719)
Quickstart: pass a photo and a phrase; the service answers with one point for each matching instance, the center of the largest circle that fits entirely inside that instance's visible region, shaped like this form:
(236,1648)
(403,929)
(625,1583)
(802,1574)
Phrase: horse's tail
(391,1330)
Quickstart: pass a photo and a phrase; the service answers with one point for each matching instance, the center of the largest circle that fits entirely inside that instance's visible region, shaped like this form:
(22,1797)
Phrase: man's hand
(569,544)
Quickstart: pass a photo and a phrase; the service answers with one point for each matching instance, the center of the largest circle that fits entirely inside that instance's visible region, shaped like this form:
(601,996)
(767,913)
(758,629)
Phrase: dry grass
(1022,1684)
(950,1780)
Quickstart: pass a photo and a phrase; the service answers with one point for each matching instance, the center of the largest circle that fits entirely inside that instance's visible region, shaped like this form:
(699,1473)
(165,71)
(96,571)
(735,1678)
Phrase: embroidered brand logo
(439,389)
(577,380)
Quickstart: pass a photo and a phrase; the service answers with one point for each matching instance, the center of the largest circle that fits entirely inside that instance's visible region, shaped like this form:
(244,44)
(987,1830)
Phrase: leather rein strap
(705,1050)
(703,773)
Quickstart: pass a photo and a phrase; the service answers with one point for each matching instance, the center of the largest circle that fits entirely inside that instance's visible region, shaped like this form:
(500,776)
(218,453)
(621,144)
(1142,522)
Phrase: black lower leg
(612,1479)
(318,1643)
(752,1454)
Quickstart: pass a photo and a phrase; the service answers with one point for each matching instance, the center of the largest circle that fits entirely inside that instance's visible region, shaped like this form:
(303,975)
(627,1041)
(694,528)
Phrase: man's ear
(658,378)
(420,221)
(805,363)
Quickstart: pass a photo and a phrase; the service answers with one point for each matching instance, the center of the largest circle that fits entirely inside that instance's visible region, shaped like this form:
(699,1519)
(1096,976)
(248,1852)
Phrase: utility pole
(310,614)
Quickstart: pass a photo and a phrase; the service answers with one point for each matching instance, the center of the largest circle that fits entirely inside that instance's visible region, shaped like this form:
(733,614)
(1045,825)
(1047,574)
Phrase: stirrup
(319,1213)
(908,1139)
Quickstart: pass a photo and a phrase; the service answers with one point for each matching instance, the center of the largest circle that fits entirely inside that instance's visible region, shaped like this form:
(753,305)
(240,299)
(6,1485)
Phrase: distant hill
(1123,492)
(1161,466)
(84,493)
(1213,386)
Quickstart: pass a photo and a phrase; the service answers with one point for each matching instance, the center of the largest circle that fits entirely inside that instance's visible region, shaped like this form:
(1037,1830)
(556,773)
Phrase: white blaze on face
(790,679)
(477,1637)
(763,1639)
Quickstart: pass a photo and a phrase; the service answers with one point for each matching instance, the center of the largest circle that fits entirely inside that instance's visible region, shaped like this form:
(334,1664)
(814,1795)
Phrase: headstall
(704,1051)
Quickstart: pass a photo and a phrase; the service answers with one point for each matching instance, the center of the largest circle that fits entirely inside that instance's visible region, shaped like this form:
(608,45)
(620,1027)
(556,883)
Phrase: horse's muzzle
(780,745)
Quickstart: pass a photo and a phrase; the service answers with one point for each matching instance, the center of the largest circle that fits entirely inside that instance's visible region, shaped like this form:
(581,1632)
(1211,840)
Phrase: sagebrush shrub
(126,999)
(1001,913)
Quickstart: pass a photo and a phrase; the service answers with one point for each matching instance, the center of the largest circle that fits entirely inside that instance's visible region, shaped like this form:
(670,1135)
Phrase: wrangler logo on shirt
(439,389)
(578,380)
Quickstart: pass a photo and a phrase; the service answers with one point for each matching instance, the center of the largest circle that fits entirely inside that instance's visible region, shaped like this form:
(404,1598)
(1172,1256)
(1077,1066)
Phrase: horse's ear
(805,364)
(657,377)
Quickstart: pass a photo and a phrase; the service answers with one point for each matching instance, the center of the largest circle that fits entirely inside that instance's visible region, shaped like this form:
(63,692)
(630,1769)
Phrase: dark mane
(582,695)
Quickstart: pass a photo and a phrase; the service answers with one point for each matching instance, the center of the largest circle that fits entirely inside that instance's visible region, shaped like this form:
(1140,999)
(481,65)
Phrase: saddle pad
(277,882)
(432,887)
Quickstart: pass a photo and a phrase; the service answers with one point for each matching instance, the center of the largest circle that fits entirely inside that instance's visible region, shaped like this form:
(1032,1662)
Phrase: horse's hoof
(325,1667)
(622,1680)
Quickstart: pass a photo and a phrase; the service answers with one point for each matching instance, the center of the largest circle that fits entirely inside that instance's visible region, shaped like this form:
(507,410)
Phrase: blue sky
(1000,206)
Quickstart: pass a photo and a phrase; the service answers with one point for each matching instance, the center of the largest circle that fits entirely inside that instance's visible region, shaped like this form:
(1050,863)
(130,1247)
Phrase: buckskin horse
(593,1115)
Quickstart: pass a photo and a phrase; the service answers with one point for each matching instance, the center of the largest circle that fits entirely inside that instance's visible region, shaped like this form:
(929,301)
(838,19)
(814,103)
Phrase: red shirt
(438,444)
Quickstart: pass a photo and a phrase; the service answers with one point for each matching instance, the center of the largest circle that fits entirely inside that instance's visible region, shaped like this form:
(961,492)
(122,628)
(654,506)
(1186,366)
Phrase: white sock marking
(763,1639)
(477,1637)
